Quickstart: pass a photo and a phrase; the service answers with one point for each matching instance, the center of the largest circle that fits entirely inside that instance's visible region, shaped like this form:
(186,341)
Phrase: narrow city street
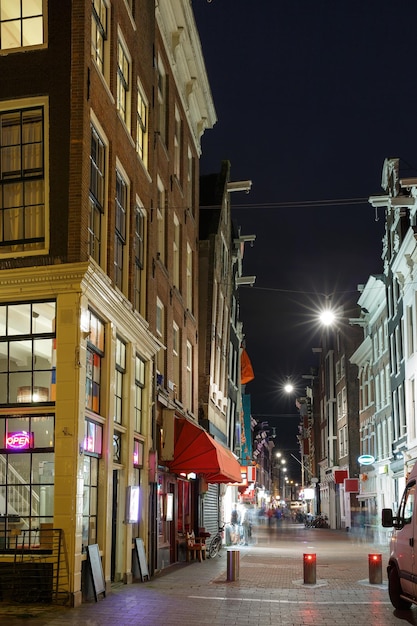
(270,588)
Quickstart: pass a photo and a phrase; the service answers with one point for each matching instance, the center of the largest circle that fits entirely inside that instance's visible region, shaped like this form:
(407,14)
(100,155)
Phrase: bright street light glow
(289,388)
(327,317)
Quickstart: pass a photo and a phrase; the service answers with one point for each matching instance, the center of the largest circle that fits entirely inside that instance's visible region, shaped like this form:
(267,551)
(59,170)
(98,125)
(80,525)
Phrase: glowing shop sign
(19,441)
(366,459)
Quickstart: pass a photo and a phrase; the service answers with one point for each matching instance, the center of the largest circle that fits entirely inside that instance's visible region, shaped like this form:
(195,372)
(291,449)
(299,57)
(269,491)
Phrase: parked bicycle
(216,543)
(320,521)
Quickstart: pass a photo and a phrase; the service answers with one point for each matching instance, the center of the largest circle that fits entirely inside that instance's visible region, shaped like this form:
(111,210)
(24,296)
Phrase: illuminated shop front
(75,422)
(27,471)
(27,380)
(195,463)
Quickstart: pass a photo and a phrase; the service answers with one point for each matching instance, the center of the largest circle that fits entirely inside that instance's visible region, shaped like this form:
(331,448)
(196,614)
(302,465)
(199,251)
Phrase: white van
(402,564)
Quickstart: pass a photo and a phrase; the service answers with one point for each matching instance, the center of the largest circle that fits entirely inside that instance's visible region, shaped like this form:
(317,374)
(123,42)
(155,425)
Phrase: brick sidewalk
(270,588)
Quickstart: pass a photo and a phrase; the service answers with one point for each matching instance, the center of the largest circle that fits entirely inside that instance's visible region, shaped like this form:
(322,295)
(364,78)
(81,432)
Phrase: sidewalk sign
(94,560)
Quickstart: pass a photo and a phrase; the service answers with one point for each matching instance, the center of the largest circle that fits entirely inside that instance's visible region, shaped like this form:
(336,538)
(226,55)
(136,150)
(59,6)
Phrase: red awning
(195,451)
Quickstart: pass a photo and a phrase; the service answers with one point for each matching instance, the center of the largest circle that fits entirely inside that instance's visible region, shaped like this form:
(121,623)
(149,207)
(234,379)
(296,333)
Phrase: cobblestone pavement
(269,590)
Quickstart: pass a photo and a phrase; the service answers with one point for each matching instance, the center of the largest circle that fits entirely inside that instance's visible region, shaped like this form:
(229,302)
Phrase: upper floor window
(161,217)
(142,127)
(339,405)
(344,401)
(177,144)
(123,82)
(189,374)
(162,102)
(189,278)
(97,194)
(22,180)
(139,391)
(224,258)
(176,253)
(22,23)
(176,357)
(99,32)
(190,181)
(376,347)
(119,376)
(121,208)
(27,353)
(160,333)
(95,354)
(337,371)
(139,245)
(342,366)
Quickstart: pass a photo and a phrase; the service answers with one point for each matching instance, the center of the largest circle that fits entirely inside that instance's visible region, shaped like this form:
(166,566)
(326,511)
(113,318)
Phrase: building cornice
(87,279)
(176,23)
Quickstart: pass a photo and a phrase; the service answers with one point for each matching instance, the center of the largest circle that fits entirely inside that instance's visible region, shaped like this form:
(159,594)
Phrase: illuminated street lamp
(327,317)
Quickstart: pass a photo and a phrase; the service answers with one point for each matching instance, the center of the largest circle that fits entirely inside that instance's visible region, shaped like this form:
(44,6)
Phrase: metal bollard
(233,559)
(375,569)
(309,562)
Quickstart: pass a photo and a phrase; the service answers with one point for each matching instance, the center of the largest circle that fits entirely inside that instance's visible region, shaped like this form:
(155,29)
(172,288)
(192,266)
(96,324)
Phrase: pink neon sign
(19,441)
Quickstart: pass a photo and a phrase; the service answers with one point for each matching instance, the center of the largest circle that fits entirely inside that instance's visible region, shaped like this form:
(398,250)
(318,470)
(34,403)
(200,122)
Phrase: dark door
(114,524)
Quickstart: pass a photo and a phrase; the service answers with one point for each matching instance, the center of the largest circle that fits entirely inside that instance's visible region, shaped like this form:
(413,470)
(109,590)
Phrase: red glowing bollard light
(309,566)
(375,568)
(309,557)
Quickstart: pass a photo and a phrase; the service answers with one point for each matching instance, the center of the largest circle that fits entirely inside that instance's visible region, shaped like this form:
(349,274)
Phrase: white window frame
(176,247)
(100,36)
(189,278)
(161,221)
(142,113)
(162,102)
(121,231)
(176,357)
(95,205)
(160,331)
(190,181)
(124,81)
(139,256)
(177,144)
(119,379)
(189,371)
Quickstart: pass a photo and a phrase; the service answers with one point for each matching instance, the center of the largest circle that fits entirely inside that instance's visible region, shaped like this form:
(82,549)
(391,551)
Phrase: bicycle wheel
(215,546)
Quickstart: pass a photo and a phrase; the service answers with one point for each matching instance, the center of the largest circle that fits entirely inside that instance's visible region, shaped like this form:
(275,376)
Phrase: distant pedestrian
(234,518)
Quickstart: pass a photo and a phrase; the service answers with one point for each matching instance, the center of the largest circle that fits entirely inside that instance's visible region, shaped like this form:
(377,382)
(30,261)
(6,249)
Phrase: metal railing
(34,566)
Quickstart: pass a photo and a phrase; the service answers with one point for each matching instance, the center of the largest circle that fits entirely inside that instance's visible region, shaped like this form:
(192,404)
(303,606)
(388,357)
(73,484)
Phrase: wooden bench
(195,546)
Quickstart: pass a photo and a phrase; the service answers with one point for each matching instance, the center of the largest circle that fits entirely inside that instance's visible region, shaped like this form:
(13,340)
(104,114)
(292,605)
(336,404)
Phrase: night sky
(311,97)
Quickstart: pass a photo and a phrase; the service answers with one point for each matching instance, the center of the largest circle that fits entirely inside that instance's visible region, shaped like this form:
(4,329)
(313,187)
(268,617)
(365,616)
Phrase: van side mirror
(387,518)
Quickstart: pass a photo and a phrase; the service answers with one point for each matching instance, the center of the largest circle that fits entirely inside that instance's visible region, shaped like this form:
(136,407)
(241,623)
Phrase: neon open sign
(20,440)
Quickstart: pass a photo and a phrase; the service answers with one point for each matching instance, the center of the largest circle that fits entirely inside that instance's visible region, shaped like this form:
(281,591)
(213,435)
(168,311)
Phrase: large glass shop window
(26,475)
(90,501)
(93,439)
(27,353)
